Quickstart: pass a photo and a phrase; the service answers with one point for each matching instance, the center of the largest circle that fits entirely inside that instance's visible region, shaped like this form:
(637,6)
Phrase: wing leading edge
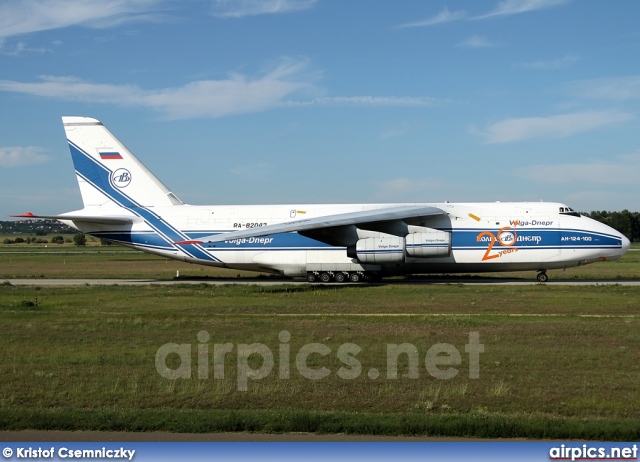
(379,215)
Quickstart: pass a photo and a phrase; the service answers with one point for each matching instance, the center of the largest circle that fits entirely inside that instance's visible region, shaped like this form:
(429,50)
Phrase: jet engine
(385,248)
(428,244)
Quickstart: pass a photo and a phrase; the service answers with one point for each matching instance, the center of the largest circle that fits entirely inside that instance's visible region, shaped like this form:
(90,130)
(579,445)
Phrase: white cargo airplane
(125,203)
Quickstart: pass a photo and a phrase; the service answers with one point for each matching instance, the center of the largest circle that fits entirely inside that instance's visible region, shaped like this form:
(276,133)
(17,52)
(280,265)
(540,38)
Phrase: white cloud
(19,49)
(561,63)
(443,17)
(504,8)
(476,41)
(558,126)
(17,156)
(610,89)
(235,95)
(242,8)
(511,7)
(283,86)
(369,101)
(394,132)
(73,89)
(19,17)
(203,98)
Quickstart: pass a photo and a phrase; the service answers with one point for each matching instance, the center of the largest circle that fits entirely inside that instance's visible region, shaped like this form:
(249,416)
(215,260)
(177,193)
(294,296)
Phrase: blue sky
(323,101)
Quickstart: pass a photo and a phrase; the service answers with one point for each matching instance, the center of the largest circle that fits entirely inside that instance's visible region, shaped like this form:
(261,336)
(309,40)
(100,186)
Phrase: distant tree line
(37,227)
(36,240)
(625,222)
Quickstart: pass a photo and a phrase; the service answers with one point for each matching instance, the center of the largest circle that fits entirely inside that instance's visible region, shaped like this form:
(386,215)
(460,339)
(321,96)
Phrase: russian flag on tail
(110,155)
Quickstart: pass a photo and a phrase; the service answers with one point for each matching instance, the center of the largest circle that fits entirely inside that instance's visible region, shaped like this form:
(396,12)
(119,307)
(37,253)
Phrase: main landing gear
(343,276)
(542,276)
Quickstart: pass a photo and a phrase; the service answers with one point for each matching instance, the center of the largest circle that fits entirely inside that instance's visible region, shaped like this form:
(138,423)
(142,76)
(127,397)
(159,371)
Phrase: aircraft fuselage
(484,237)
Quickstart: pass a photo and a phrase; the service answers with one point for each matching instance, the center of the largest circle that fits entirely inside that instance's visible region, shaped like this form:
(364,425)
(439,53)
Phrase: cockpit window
(569,211)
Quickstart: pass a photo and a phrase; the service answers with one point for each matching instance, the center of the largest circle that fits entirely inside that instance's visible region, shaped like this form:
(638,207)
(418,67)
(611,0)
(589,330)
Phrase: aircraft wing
(328,221)
(103,220)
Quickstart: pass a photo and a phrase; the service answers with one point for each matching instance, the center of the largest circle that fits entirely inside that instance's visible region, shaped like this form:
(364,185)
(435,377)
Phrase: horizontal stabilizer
(328,221)
(105,220)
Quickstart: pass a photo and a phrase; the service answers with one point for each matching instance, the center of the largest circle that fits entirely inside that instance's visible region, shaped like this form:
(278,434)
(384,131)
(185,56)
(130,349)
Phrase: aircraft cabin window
(569,211)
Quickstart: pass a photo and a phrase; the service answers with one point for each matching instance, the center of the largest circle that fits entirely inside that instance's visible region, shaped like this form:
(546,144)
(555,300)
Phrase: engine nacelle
(428,244)
(380,250)
(386,249)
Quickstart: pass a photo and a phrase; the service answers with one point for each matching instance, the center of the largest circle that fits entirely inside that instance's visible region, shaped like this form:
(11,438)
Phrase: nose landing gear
(542,276)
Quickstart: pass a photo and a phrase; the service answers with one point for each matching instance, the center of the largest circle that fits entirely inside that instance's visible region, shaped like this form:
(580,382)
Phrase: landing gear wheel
(340,277)
(311,277)
(325,277)
(354,277)
(542,276)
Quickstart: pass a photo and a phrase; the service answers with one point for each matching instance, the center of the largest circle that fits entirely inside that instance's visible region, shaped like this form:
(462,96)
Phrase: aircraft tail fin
(107,172)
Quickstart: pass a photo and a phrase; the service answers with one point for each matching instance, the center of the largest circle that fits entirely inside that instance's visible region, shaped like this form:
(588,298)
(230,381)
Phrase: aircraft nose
(626,243)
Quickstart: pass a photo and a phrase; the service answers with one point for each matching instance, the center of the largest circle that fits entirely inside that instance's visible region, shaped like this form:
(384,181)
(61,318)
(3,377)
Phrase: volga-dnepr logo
(121,178)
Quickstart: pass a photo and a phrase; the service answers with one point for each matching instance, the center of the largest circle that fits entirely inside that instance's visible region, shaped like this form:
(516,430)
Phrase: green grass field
(558,361)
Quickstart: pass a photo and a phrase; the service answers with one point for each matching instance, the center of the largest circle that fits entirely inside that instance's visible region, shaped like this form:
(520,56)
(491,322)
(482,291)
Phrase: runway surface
(272,282)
